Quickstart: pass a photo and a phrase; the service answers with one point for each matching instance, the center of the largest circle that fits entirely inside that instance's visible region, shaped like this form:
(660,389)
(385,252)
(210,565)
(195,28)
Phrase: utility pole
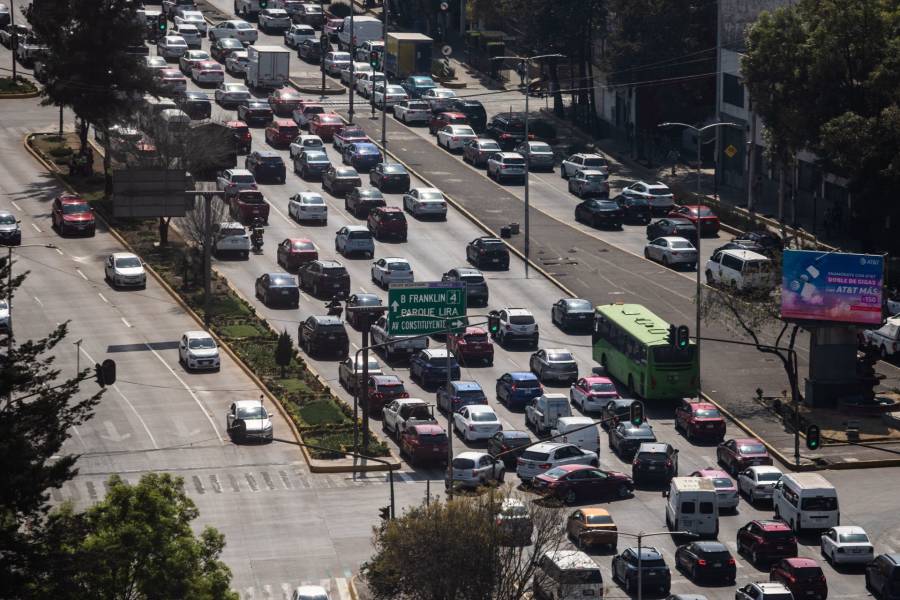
(207,261)
(77,356)
(385,15)
(14,43)
(323,44)
(352,59)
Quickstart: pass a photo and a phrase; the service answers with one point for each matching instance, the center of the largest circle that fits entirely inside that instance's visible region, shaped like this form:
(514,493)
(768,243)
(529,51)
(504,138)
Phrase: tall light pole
(525,62)
(9,287)
(640,538)
(352,60)
(699,132)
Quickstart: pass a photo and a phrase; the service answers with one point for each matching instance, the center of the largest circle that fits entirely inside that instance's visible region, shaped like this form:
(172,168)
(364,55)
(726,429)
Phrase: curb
(351,585)
(21,95)
(329,91)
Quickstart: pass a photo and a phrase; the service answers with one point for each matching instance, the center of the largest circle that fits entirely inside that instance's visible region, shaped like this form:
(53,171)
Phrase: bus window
(666,354)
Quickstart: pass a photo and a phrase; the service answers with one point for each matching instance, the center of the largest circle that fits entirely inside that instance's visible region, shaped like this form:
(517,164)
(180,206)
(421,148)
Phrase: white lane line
(38,300)
(36,228)
(354,345)
(189,391)
(60,252)
(281,214)
(13,202)
(102,297)
(83,276)
(305,297)
(127,401)
(363,290)
(127,324)
(78,435)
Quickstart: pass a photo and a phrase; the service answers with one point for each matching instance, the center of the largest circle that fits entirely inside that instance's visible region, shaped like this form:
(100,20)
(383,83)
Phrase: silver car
(538,154)
(474,469)
(671,251)
(477,151)
(351,368)
(589,183)
(554,363)
(425,202)
(352,239)
(658,195)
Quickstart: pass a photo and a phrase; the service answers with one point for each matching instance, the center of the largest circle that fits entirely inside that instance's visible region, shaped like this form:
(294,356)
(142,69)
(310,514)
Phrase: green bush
(61,152)
(339,10)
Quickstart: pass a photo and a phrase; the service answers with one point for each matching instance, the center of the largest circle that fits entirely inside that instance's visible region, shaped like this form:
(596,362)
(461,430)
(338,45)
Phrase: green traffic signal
(813,437)
(636,415)
(493,324)
(682,337)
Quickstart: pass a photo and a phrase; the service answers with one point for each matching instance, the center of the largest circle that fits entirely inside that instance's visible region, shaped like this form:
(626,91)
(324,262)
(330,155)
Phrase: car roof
(386,379)
(247,403)
(675,238)
(647,552)
(587,155)
(428,428)
(475,331)
(711,472)
(482,408)
(595,511)
(451,113)
(390,209)
(240,172)
(557,350)
(510,155)
(466,386)
(745,254)
(751,440)
(571,468)
(592,172)
(70,199)
(471,454)
(801,563)
(711,546)
(515,434)
(771,587)
(268,153)
(548,446)
(703,406)
(327,320)
(518,312)
(571,559)
(356,228)
(523,376)
(197,334)
(773,525)
(849,529)
(764,469)
(435,352)
(118,255)
(329,263)
(653,447)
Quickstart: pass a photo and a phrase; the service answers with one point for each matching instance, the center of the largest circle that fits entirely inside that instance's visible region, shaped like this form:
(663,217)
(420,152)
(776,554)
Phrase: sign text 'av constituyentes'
(425,307)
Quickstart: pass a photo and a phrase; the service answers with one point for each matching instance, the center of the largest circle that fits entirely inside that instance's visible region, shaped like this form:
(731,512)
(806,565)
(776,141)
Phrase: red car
(446,118)
(72,214)
(803,576)
(294,252)
(387,222)
(284,101)
(347,135)
(325,125)
(765,541)
(472,345)
(737,455)
(242,136)
(424,443)
(700,420)
(383,389)
(575,483)
(709,222)
(247,204)
(281,132)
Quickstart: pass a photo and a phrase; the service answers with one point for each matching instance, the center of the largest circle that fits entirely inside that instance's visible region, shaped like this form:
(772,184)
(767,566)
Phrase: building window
(732,90)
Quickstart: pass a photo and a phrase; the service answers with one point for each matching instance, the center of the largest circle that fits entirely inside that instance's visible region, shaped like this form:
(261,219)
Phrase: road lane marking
(13,202)
(60,252)
(127,324)
(36,228)
(83,276)
(102,297)
(38,300)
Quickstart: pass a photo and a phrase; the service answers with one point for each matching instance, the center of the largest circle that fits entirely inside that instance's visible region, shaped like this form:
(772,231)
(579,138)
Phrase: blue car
(517,389)
(415,85)
(459,394)
(362,156)
(429,367)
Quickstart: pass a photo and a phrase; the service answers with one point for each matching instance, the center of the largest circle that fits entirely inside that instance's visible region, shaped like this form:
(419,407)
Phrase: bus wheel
(603,361)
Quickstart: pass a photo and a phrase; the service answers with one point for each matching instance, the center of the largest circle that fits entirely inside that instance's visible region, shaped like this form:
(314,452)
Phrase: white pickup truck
(240,30)
(396,344)
(404,412)
(231,239)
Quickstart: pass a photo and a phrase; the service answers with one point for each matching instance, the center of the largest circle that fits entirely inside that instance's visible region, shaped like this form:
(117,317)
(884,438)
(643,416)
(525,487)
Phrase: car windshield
(128,262)
(242,179)
(470,395)
(594,162)
(679,245)
(201,344)
(521,320)
(560,357)
(347,173)
(853,538)
(430,195)
(335,271)
(251,412)
(242,26)
(641,433)
(722,483)
(252,198)
(536,456)
(704,212)
(756,266)
(317,157)
(327,119)
(367,301)
(651,456)
(513,160)
(7,220)
(395,89)
(488,146)
(398,266)
(527,383)
(433,439)
(316,200)
(819,503)
(303,246)
(655,563)
(271,160)
(74,209)
(440,362)
(554,473)
(282,281)
(353,133)
(472,278)
(580,576)
(360,235)
(599,520)
(390,388)
(229,231)
(337,328)
(476,338)
(768,476)
(603,387)
(395,169)
(463,463)
(708,413)
(462,130)
(780,536)
(752,449)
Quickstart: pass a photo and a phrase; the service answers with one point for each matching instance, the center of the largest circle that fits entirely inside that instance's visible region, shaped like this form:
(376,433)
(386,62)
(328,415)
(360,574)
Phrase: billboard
(832,287)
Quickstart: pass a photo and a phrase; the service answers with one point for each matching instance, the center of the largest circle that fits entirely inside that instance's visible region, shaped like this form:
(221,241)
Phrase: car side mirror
(665,493)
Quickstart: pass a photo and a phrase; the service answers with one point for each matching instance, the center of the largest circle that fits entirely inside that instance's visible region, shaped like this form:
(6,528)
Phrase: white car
(352,239)
(886,338)
(189,33)
(236,29)
(333,62)
(249,419)
(476,469)
(297,33)
(366,80)
(171,46)
(306,142)
(359,68)
(198,350)
(476,422)
(237,62)
(386,271)
(190,58)
(4,316)
(231,181)
(658,195)
(505,165)
(581,161)
(207,71)
(389,97)
(274,19)
(438,98)
(155,62)
(308,206)
(547,455)
(230,238)
(421,202)
(125,269)
(758,482)
(412,111)
(454,137)
(191,17)
(310,592)
(671,250)
(231,95)
(847,544)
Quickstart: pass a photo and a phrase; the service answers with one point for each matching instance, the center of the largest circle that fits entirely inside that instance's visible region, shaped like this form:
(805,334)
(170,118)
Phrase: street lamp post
(525,62)
(699,131)
(9,287)
(368,314)
(352,60)
(640,538)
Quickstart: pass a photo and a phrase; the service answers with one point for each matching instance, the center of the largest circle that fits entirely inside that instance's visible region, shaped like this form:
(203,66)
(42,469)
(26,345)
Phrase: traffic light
(493,324)
(682,337)
(263,4)
(373,59)
(636,415)
(385,512)
(105,374)
(813,437)
(672,338)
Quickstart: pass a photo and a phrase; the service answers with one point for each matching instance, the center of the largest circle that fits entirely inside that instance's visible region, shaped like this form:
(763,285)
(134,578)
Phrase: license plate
(588,592)
(810,592)
(285,292)
(779,547)
(651,468)
(717,565)
(496,260)
(331,337)
(435,449)
(710,426)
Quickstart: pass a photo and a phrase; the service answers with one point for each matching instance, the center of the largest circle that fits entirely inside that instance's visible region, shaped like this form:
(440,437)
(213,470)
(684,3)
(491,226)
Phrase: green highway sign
(425,307)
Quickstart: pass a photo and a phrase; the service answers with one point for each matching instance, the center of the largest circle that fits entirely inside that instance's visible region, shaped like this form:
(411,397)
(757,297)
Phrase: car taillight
(668,463)
(731,561)
(403,395)
(701,562)
(520,461)
(505,136)
(471,428)
(545,466)
(636,462)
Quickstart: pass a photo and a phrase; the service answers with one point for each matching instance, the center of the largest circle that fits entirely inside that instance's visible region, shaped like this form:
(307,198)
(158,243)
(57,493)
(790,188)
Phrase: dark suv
(319,335)
(324,278)
(508,129)
(883,576)
(474,111)
(359,201)
(476,287)
(387,222)
(488,251)
(656,461)
(196,105)
(266,166)
(654,572)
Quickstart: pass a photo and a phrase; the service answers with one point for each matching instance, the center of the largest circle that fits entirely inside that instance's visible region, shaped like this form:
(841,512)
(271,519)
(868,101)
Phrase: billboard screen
(830,286)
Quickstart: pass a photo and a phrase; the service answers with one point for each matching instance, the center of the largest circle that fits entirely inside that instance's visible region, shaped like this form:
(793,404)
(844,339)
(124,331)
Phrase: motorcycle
(334,308)
(256,235)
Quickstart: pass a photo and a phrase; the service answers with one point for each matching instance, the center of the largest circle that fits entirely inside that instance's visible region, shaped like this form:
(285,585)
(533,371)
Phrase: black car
(508,129)
(743,245)
(310,50)
(706,561)
(223,48)
(319,335)
(767,239)
(476,287)
(256,113)
(324,278)
(655,575)
(672,227)
(656,461)
(196,105)
(473,109)
(340,180)
(616,411)
(311,164)
(356,319)
(506,441)
(390,177)
(882,575)
(266,165)
(360,201)
(636,210)
(600,213)
(625,438)
(488,252)
(573,314)
(10,232)
(278,289)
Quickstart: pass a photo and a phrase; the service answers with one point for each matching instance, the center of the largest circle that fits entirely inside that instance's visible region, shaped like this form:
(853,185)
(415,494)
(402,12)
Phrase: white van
(587,437)
(567,575)
(693,506)
(740,270)
(806,501)
(153,109)
(365,29)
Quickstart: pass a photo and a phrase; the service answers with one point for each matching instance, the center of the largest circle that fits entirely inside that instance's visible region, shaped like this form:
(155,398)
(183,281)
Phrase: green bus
(632,345)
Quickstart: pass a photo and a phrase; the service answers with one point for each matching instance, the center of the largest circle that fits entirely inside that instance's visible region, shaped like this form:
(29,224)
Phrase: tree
(193,224)
(420,555)
(284,351)
(38,410)
(88,66)
(137,543)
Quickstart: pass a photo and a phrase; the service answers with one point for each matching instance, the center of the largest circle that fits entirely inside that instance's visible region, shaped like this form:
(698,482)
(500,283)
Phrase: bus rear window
(819,503)
(667,355)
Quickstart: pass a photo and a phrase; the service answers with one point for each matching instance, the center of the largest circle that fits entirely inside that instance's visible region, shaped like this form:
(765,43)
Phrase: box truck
(269,67)
(407,54)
